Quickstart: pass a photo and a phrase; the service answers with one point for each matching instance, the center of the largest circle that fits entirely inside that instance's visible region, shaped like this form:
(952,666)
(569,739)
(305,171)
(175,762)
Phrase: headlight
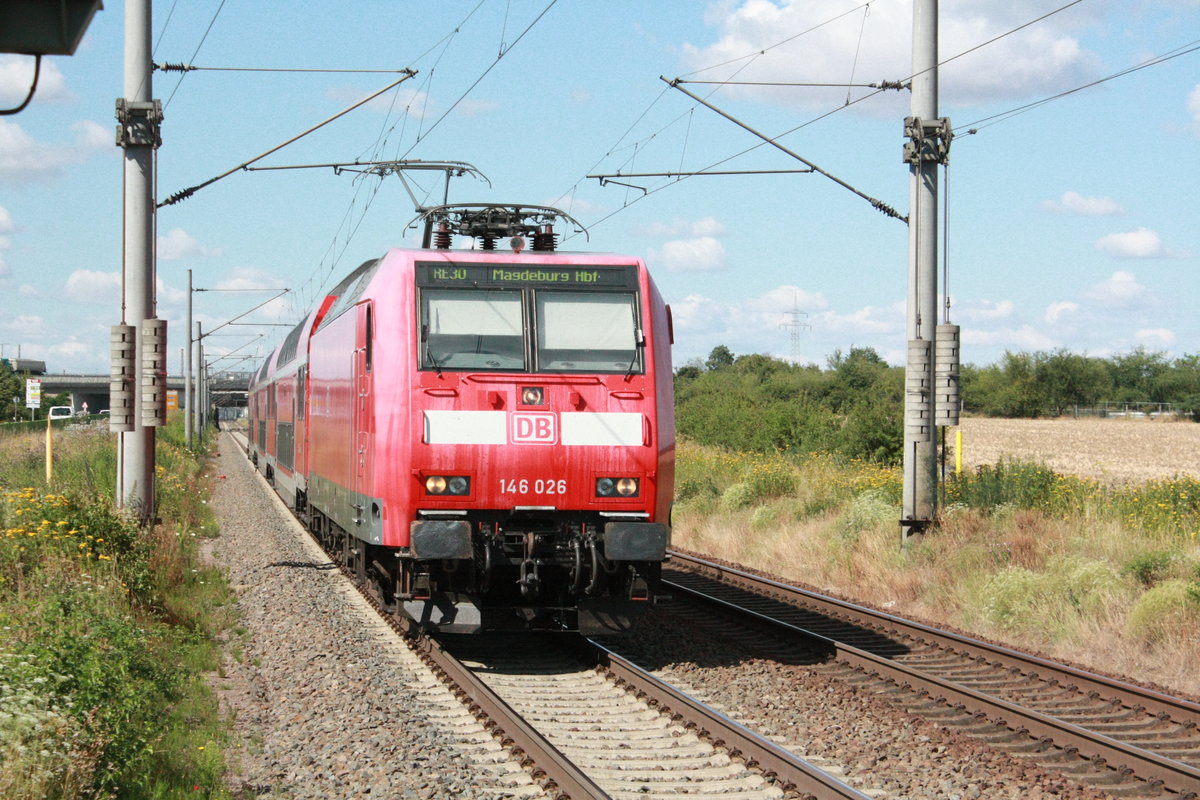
(625,487)
(532,395)
(453,485)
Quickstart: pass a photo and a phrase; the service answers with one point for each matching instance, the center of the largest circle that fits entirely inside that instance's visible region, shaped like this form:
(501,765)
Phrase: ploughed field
(1115,450)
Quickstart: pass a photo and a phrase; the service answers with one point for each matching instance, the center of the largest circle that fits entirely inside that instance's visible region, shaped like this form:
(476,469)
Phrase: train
(483,435)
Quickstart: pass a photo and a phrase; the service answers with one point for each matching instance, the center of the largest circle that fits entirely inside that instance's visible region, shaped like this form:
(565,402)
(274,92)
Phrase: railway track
(589,724)
(1116,736)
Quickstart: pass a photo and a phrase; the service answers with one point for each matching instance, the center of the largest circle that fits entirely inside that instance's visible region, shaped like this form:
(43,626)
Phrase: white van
(61,412)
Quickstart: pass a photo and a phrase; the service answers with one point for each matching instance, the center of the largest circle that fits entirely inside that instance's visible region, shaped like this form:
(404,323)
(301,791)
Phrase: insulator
(488,241)
(545,240)
(441,239)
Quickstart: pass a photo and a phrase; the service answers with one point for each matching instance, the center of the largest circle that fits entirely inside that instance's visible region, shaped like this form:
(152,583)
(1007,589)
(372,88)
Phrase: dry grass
(1066,586)
(1128,450)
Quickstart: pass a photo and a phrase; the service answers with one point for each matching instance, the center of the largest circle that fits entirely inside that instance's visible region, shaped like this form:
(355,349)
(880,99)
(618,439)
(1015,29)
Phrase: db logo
(532,428)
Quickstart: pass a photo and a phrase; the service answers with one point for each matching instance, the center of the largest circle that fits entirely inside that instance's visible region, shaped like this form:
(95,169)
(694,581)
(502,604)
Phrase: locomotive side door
(364,421)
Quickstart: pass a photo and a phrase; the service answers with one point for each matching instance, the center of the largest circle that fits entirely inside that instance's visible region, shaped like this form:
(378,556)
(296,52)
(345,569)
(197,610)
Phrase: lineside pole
(926,149)
(187,371)
(138,135)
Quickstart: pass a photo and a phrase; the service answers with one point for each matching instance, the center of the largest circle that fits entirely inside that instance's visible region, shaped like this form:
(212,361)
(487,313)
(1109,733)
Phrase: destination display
(573,275)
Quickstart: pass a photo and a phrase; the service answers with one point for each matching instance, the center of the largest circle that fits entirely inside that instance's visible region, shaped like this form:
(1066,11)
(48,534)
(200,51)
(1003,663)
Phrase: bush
(1168,611)
(1148,568)
(1050,602)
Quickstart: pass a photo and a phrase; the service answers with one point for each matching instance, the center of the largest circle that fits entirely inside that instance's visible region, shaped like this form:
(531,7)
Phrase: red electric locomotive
(485,435)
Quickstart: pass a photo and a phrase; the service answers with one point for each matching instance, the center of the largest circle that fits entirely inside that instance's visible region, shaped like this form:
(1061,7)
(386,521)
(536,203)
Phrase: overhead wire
(995,119)
(203,39)
(333,253)
(749,58)
(423,133)
(881,88)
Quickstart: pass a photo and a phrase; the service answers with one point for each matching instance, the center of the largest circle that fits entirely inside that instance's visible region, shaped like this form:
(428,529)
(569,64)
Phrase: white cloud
(1140,243)
(16,76)
(982,310)
(475,108)
(399,101)
(6,221)
(867,320)
(165,294)
(1061,311)
(818,41)
(91,286)
(25,290)
(1156,337)
(5,271)
(703,254)
(783,299)
(25,160)
(1075,203)
(697,314)
(246,279)
(72,348)
(25,327)
(178,244)
(1120,291)
(1022,338)
(94,136)
(682,227)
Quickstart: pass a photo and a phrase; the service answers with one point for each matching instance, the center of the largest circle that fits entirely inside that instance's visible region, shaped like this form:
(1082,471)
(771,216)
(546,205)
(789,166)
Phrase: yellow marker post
(958,451)
(49,452)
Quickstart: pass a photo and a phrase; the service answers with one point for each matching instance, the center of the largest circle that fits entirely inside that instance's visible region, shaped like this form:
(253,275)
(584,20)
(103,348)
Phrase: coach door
(364,422)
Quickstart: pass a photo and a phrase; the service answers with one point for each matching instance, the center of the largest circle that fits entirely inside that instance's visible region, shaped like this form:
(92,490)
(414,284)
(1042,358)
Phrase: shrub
(1051,601)
(1148,568)
(866,511)
(1168,611)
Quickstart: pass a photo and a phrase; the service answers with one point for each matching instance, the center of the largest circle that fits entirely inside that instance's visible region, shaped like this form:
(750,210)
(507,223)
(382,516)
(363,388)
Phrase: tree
(11,385)
(1065,379)
(1134,374)
(720,357)
(853,376)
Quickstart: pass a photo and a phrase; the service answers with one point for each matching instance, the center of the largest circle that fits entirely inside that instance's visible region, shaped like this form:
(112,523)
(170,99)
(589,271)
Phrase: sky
(1071,224)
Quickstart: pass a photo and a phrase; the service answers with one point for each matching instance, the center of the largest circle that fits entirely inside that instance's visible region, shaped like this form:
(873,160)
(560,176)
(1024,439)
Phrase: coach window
(301,374)
(472,329)
(370,338)
(587,332)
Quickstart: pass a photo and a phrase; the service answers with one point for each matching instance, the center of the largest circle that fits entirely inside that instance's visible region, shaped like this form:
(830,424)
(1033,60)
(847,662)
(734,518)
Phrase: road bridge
(228,390)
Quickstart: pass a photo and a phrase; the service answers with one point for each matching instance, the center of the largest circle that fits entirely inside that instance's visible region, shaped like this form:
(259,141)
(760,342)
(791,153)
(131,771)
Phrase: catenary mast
(927,148)
(139,342)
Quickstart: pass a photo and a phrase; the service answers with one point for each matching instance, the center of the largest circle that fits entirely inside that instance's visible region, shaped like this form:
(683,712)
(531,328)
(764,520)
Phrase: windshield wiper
(429,356)
(639,344)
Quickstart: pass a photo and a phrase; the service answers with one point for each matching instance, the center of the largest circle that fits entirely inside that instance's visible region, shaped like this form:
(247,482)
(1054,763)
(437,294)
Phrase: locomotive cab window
(516,317)
(472,329)
(586,332)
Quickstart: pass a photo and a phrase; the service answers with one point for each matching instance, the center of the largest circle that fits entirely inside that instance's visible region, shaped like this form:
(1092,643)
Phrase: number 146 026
(539,486)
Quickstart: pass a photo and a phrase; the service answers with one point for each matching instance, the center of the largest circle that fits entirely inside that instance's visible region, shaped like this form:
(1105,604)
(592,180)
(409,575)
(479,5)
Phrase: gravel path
(327,702)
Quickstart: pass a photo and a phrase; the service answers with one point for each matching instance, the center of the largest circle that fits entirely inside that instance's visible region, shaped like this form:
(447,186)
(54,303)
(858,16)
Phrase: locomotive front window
(472,329)
(586,332)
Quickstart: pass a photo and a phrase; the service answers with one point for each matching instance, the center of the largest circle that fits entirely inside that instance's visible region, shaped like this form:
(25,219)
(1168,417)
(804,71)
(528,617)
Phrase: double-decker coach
(484,435)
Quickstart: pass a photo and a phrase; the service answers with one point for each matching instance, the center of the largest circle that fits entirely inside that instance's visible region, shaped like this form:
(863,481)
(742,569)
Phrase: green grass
(107,630)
